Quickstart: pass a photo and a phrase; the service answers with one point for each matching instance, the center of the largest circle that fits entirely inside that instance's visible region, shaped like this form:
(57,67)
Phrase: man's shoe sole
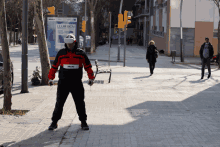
(85,128)
(52,128)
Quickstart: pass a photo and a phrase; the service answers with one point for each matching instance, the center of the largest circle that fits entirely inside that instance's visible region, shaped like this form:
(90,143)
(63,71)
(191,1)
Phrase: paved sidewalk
(172,108)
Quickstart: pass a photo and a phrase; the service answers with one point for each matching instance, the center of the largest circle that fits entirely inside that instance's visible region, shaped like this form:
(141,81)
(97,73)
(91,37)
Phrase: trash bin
(173,54)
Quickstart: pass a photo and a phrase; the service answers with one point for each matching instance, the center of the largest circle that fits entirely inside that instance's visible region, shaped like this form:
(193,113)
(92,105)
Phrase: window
(164,19)
(157,19)
(60,11)
(1,58)
(151,22)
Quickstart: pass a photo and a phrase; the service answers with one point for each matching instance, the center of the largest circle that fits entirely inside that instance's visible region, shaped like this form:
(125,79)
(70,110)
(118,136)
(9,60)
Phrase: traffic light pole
(119,33)
(125,42)
(181,34)
(109,38)
(84,40)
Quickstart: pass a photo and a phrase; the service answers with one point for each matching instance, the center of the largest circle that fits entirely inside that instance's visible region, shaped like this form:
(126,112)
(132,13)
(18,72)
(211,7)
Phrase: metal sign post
(181,33)
(84,40)
(125,42)
(109,38)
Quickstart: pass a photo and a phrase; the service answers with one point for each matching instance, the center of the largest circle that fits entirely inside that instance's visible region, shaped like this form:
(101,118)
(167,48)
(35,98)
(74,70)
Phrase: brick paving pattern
(172,108)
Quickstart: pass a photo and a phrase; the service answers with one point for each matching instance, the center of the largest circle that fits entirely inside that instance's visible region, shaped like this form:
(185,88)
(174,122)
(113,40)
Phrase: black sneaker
(52,126)
(209,76)
(84,126)
(202,77)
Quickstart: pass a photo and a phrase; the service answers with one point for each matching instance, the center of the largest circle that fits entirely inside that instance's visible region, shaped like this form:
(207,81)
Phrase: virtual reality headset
(70,38)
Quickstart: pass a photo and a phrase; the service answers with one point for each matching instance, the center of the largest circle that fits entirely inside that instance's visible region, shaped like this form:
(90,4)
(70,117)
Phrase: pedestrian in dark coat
(131,41)
(151,56)
(206,53)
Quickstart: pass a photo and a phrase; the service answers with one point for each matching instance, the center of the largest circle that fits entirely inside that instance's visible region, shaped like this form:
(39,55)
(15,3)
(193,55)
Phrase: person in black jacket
(131,40)
(206,53)
(71,61)
(151,56)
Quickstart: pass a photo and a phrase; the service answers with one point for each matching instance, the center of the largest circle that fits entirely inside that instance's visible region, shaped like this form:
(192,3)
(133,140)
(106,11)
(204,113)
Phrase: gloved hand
(51,82)
(91,82)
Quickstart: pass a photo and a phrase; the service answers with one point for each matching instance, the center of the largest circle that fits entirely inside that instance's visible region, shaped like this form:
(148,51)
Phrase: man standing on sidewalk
(206,53)
(71,60)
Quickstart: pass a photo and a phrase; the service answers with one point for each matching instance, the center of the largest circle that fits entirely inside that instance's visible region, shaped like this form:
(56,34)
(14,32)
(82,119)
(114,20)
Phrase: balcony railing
(215,34)
(157,33)
(145,11)
(142,12)
(139,1)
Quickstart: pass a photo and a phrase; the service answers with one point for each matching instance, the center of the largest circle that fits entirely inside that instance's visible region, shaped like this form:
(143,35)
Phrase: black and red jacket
(71,65)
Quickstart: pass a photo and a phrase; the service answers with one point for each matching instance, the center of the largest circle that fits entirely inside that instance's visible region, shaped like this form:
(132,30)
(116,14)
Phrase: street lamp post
(24,87)
(119,33)
(109,38)
(181,33)
(125,41)
(84,40)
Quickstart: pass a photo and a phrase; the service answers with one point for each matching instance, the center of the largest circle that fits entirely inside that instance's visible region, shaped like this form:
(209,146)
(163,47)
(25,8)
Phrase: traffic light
(83,25)
(52,10)
(121,22)
(129,21)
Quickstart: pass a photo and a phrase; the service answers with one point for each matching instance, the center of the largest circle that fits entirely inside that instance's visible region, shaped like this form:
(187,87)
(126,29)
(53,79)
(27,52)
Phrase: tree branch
(89,2)
(215,1)
(95,3)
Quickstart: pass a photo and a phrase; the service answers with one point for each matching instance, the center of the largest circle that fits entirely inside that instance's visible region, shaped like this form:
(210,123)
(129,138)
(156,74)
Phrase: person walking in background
(206,53)
(151,56)
(131,41)
(111,42)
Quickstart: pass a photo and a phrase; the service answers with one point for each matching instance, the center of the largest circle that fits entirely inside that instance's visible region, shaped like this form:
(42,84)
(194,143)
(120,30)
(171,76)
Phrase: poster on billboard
(57,28)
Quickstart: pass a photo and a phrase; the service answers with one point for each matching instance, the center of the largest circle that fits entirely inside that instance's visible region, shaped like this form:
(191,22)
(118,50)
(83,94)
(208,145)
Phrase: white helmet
(70,38)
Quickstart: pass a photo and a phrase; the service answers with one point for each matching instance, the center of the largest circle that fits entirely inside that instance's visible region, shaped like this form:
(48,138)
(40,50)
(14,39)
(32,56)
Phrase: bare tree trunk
(44,55)
(6,58)
(17,36)
(10,40)
(92,32)
(14,35)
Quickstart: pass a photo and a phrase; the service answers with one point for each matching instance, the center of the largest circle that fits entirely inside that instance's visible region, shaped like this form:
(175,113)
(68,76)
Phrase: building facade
(199,20)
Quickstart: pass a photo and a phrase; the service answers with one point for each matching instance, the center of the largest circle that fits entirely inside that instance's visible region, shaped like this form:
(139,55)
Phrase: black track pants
(152,66)
(207,62)
(77,91)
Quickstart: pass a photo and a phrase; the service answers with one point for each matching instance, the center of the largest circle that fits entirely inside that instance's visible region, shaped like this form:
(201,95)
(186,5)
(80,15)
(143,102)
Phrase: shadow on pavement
(196,118)
(142,77)
(17,87)
(199,81)
(45,138)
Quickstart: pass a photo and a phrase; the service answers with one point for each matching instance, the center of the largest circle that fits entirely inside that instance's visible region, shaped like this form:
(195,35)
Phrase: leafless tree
(92,5)
(43,49)
(217,4)
(6,58)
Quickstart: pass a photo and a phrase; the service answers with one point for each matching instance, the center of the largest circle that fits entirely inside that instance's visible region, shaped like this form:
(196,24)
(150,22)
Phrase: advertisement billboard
(57,29)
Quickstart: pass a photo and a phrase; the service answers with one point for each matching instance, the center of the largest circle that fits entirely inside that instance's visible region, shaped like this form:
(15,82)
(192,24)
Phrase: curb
(190,63)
